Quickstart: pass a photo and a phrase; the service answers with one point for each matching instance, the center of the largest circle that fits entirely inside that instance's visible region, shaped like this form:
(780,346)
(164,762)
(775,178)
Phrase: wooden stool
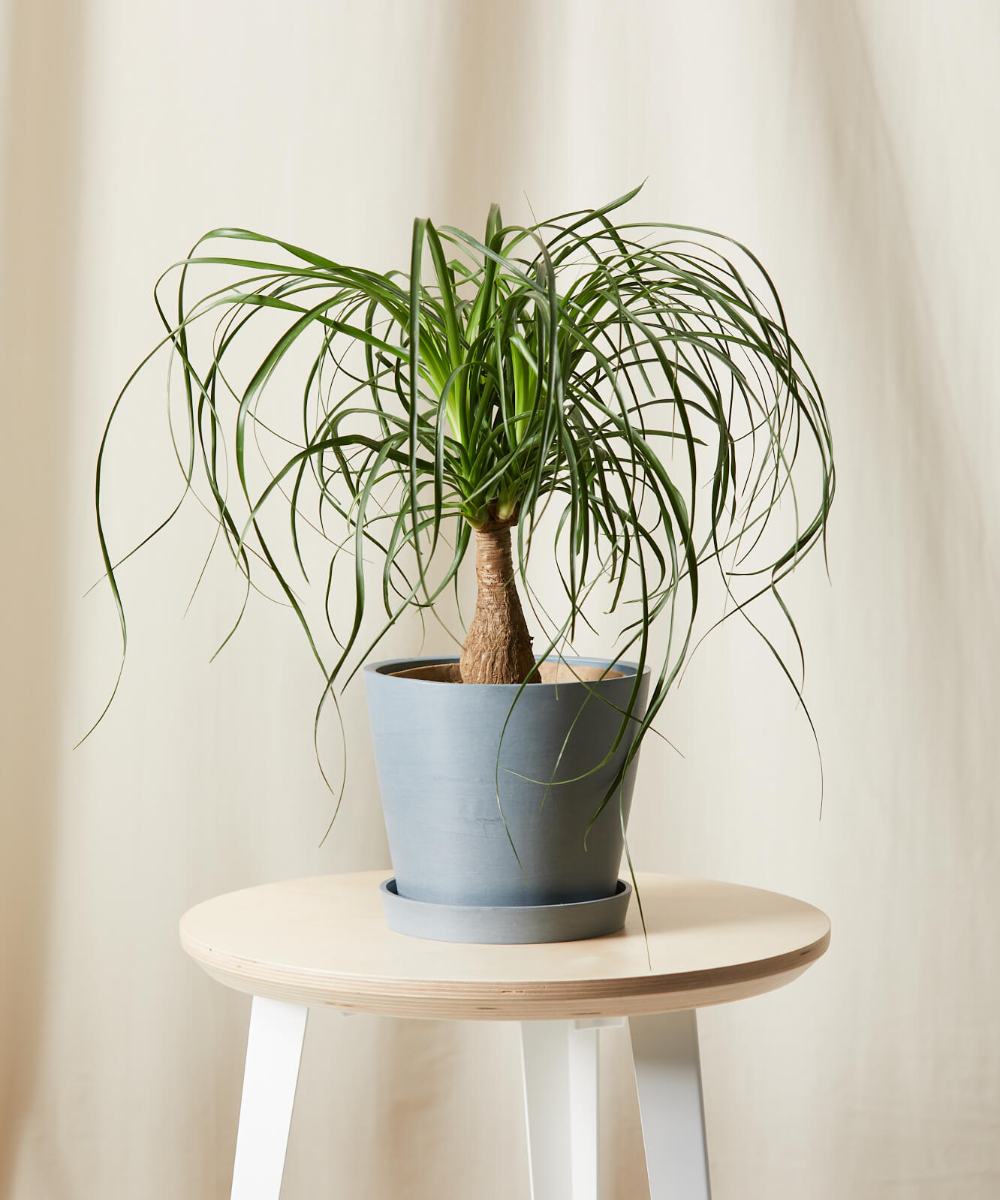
(324,942)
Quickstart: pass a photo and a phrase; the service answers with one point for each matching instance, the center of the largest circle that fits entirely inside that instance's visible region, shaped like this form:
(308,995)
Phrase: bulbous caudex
(497,645)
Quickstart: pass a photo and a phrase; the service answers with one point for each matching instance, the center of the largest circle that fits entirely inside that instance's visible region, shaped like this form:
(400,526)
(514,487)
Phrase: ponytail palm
(621,400)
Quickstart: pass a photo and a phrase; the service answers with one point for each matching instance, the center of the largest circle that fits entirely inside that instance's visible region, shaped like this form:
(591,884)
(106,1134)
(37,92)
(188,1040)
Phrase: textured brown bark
(497,646)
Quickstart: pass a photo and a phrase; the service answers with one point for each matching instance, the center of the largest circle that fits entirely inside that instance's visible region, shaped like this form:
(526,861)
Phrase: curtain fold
(853,147)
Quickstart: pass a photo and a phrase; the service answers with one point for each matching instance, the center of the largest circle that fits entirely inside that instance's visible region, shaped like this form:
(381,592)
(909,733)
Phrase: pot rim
(388,666)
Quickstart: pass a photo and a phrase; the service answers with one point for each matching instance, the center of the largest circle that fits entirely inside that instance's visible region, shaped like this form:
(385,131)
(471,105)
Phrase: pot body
(455,812)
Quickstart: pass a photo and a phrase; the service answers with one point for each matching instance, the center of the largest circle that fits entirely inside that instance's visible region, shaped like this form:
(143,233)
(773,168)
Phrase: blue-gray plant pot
(452,841)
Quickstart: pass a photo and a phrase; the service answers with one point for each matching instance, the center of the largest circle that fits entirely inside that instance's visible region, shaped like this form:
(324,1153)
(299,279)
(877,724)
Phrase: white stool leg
(545,1057)
(584,1110)
(274,1049)
(560,1060)
(668,1080)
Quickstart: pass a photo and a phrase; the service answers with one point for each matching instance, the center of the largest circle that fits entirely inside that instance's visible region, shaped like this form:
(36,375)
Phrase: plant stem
(497,646)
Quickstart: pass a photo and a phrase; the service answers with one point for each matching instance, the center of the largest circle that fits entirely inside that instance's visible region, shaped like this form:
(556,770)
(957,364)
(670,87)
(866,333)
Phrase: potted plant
(618,402)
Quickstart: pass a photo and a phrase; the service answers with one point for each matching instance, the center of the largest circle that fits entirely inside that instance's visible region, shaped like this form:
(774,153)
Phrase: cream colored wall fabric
(854,146)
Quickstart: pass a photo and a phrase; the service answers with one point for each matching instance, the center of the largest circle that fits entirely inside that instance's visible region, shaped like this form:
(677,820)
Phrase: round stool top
(324,941)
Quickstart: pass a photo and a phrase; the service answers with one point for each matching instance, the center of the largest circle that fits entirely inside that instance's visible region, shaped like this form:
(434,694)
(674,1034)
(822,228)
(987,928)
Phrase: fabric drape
(853,147)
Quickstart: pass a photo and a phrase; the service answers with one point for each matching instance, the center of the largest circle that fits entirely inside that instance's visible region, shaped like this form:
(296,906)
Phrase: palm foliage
(628,392)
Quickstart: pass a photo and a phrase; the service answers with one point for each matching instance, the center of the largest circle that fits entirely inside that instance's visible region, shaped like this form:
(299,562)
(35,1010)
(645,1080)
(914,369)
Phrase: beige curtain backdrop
(854,146)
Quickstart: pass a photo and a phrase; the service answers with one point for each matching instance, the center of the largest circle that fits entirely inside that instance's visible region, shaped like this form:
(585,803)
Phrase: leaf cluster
(628,392)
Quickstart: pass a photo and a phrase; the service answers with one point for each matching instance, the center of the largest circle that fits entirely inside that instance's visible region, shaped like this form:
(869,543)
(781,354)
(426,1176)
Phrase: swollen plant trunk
(497,646)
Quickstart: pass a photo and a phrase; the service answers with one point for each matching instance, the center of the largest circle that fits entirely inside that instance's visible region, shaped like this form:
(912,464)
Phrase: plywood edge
(501,1000)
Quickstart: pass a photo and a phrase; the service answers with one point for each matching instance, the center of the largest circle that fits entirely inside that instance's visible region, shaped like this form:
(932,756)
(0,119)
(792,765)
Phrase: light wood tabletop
(324,941)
